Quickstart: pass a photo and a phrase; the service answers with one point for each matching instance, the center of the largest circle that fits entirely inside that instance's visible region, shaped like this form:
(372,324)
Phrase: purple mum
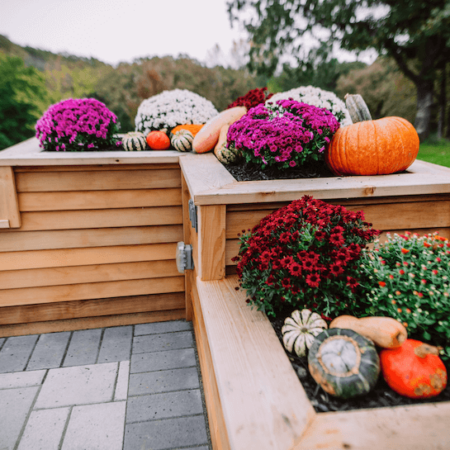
(283,135)
(76,125)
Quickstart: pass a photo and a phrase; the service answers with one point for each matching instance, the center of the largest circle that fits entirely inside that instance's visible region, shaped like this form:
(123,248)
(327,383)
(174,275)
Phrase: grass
(436,152)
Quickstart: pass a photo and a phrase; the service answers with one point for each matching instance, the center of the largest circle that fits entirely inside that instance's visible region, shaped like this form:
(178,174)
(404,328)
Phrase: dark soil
(380,397)
(249,172)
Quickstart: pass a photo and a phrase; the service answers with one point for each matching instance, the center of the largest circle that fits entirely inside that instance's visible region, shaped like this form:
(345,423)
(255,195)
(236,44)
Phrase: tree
(415,33)
(22,91)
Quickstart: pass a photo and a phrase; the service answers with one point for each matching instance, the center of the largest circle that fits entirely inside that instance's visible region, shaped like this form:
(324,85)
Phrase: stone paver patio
(131,387)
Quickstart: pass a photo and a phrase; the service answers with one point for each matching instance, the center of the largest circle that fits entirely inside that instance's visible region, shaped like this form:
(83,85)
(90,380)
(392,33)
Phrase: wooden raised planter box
(254,397)
(88,239)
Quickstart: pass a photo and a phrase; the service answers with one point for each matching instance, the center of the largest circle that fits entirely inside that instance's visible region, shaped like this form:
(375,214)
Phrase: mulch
(381,396)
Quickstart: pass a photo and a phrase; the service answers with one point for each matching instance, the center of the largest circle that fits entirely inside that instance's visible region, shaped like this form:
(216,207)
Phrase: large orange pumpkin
(414,369)
(372,147)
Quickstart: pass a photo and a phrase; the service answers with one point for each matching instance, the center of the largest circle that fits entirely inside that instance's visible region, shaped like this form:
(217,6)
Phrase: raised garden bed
(254,393)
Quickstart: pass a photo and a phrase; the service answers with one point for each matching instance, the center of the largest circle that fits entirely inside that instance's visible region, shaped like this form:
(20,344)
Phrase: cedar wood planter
(254,398)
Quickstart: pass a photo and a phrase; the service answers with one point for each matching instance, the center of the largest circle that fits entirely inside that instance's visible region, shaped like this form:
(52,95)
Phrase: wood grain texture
(97,181)
(103,218)
(415,427)
(217,426)
(90,308)
(58,276)
(35,169)
(260,412)
(90,322)
(185,196)
(63,201)
(102,237)
(211,242)
(85,256)
(87,291)
(4,224)
(9,204)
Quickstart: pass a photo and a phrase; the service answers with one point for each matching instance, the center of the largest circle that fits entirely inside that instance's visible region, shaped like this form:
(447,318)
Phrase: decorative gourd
(134,142)
(383,331)
(299,330)
(208,136)
(344,363)
(158,140)
(226,155)
(372,147)
(193,128)
(414,369)
(182,141)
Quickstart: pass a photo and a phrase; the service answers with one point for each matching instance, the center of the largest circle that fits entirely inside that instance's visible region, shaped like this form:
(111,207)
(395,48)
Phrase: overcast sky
(120,30)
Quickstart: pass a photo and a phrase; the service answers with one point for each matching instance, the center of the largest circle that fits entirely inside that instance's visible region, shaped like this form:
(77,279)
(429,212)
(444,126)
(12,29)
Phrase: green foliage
(409,280)
(22,92)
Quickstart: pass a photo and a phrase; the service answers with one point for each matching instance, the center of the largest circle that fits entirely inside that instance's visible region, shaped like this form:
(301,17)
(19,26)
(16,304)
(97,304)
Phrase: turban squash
(371,147)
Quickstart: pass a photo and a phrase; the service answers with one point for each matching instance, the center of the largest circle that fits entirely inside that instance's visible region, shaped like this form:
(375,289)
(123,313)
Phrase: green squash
(134,142)
(344,363)
(182,141)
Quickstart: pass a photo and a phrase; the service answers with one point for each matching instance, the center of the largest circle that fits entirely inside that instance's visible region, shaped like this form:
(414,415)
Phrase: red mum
(336,269)
(295,269)
(313,280)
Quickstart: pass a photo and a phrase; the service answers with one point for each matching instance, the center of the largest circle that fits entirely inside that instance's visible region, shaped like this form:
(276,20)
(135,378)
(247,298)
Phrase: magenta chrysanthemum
(77,125)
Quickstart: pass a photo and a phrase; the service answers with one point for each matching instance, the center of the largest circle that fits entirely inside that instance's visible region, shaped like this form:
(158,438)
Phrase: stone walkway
(132,388)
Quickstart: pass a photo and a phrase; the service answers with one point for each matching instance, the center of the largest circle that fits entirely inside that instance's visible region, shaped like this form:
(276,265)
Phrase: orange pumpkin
(193,128)
(372,147)
(414,369)
(158,140)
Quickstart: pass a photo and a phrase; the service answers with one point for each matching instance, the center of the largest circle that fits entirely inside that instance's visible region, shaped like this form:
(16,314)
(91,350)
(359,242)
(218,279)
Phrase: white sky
(120,30)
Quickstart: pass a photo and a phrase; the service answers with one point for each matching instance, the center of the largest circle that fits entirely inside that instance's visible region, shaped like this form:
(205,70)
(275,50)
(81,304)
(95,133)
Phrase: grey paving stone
(98,427)
(162,327)
(171,359)
(163,406)
(1,342)
(122,381)
(21,379)
(16,352)
(78,386)
(164,434)
(158,342)
(14,407)
(49,351)
(83,348)
(116,344)
(163,381)
(44,429)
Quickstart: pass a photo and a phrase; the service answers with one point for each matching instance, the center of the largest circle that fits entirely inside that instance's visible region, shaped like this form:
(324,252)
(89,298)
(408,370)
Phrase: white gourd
(300,329)
(134,141)
(182,141)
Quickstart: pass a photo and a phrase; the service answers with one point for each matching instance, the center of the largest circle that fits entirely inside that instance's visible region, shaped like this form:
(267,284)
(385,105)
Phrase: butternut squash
(383,331)
(208,136)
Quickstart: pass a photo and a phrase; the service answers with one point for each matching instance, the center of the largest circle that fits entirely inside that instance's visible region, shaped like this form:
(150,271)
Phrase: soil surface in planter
(249,172)
(381,396)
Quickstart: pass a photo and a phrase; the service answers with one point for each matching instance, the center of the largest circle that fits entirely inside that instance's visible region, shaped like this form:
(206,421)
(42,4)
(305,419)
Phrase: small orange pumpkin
(158,140)
(414,369)
(193,128)
(371,147)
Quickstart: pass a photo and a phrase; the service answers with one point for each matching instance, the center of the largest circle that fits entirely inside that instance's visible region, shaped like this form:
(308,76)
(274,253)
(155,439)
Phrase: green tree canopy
(415,33)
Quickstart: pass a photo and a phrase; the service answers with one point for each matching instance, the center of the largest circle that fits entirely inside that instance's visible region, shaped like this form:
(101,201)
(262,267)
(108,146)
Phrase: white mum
(172,108)
(317,97)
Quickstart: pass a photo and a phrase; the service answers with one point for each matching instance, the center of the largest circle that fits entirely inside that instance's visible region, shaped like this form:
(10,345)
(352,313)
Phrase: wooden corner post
(9,203)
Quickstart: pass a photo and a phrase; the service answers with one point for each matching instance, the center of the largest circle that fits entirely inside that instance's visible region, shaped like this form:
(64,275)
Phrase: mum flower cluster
(284,134)
(172,108)
(409,280)
(77,125)
(305,255)
(252,98)
(317,97)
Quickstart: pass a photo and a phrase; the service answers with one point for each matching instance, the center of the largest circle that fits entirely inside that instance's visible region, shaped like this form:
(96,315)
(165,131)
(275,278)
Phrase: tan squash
(383,331)
(208,136)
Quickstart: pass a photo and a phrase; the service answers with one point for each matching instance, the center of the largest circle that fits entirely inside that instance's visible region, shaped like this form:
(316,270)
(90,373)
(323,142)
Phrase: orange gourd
(158,140)
(414,369)
(193,128)
(372,147)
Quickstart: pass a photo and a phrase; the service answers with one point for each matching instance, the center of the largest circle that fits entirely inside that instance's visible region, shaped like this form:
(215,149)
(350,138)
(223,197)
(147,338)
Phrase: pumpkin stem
(359,111)
(423,350)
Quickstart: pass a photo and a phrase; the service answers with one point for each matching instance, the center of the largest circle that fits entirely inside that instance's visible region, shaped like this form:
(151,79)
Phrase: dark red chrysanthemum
(313,280)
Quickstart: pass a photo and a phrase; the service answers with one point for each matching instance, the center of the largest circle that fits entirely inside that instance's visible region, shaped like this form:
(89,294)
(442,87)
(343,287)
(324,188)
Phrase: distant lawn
(436,152)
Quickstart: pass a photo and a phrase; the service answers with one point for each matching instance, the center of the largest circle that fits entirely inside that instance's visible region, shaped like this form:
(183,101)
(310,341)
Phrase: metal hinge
(193,215)
(184,258)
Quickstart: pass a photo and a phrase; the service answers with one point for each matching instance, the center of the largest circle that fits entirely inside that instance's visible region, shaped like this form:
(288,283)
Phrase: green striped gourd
(182,141)
(134,142)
